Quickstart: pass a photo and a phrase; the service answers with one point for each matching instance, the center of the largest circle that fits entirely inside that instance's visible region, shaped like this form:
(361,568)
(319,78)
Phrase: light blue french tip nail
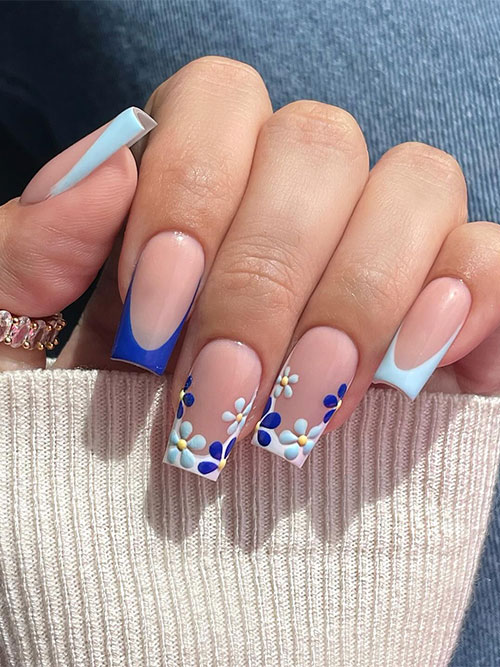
(124,130)
(126,348)
(410,381)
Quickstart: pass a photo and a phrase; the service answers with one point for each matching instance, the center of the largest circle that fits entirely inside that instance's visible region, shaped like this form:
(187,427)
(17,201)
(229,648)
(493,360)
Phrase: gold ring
(31,334)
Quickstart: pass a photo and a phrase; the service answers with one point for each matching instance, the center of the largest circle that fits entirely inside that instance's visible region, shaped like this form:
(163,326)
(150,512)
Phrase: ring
(32,334)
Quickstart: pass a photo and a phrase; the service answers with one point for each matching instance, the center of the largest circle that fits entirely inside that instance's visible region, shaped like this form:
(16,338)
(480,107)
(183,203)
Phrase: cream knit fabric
(366,557)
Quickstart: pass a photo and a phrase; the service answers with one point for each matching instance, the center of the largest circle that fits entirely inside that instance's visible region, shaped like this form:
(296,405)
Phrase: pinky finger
(457,311)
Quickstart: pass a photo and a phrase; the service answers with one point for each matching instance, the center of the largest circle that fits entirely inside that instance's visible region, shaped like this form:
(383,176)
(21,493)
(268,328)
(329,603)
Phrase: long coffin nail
(159,299)
(213,407)
(425,335)
(307,393)
(81,159)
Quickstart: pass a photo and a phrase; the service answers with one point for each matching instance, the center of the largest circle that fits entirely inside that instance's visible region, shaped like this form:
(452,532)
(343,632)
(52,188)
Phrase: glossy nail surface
(158,301)
(213,406)
(425,335)
(307,393)
(82,158)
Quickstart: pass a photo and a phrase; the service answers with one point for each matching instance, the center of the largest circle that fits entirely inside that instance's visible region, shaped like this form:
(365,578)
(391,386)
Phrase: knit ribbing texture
(365,557)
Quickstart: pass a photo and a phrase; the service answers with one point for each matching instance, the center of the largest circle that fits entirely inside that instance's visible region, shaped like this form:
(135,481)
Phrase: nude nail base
(160,296)
(307,393)
(212,408)
(425,336)
(127,349)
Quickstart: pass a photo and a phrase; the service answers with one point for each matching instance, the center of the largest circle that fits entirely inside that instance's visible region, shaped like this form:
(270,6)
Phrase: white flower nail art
(283,382)
(299,437)
(180,442)
(239,417)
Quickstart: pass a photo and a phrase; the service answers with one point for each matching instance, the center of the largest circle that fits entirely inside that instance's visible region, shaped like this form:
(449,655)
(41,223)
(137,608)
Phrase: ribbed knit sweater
(365,557)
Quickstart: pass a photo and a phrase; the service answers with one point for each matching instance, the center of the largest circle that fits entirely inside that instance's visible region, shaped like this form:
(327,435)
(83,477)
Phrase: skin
(291,222)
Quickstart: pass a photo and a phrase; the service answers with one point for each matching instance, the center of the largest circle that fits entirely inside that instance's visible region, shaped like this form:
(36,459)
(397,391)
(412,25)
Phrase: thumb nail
(82,158)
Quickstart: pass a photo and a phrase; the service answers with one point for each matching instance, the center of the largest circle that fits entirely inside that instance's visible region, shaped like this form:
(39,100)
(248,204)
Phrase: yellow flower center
(239,417)
(302,440)
(182,393)
(182,444)
(284,381)
(338,405)
(222,464)
(257,426)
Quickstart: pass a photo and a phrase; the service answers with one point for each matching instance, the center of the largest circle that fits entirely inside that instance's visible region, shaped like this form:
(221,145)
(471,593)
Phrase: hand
(302,265)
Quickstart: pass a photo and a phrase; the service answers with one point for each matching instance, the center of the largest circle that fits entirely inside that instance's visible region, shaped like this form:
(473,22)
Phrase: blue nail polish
(159,298)
(425,336)
(124,130)
(126,348)
(410,381)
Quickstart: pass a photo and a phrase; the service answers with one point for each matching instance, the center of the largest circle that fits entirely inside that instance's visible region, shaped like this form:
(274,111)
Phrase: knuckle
(320,125)
(374,289)
(218,70)
(209,72)
(428,163)
(198,181)
(267,278)
(474,247)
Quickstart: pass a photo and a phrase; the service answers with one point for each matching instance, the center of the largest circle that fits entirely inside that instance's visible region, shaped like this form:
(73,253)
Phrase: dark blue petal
(229,448)
(180,410)
(263,438)
(215,449)
(207,466)
(330,401)
(188,400)
(328,415)
(268,405)
(342,390)
(271,420)
(188,382)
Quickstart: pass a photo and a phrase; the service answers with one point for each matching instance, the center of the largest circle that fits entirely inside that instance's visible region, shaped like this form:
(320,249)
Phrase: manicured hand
(277,276)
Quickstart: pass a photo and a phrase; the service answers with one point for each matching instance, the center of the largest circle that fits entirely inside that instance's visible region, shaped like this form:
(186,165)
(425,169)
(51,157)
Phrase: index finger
(193,175)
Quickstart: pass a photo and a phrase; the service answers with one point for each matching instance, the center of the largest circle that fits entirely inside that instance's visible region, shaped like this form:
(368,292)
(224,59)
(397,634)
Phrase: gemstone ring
(31,334)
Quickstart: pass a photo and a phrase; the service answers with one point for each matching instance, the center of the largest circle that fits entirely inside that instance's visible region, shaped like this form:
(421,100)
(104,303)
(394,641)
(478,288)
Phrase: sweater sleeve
(364,557)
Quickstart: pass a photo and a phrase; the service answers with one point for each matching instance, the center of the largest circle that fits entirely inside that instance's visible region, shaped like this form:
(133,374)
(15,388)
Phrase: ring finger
(414,197)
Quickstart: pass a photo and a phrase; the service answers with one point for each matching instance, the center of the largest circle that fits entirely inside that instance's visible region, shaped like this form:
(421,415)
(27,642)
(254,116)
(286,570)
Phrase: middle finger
(309,169)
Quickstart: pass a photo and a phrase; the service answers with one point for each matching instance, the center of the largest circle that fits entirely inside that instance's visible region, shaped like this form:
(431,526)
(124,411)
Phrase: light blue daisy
(299,438)
(283,382)
(238,417)
(181,442)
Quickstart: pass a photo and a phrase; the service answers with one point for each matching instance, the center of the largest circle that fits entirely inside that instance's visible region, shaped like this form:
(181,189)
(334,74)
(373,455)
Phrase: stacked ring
(31,334)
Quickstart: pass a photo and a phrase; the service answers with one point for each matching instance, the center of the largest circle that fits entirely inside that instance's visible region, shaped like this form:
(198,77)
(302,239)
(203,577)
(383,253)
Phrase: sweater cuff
(366,556)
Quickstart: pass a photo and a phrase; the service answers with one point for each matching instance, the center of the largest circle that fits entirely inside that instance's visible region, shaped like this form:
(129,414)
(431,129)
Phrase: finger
(461,327)
(479,371)
(309,169)
(415,195)
(193,174)
(90,340)
(54,239)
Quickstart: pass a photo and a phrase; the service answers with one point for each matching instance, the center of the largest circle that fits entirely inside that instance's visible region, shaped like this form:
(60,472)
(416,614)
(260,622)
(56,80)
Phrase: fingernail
(158,301)
(213,407)
(425,335)
(307,393)
(79,160)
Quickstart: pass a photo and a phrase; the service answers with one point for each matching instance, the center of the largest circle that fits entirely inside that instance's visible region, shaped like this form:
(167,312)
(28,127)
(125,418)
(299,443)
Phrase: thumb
(55,238)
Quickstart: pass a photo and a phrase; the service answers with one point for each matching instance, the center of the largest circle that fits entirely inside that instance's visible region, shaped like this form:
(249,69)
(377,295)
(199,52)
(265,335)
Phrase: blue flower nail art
(180,443)
(216,449)
(283,383)
(186,398)
(268,420)
(333,402)
(299,438)
(239,417)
